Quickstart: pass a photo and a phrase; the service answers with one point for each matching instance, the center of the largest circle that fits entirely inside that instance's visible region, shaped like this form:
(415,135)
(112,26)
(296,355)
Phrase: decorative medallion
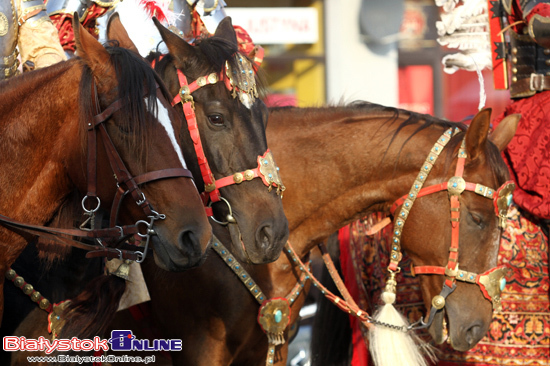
(273,317)
(55,321)
(492,284)
(4,25)
(456,186)
(270,172)
(503,200)
(238,178)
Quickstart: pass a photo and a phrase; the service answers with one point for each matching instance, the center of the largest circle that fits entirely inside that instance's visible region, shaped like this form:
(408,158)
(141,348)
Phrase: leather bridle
(266,169)
(490,282)
(106,239)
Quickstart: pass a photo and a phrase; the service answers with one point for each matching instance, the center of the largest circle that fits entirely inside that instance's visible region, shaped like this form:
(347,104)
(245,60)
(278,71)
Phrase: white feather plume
(140,27)
(466,28)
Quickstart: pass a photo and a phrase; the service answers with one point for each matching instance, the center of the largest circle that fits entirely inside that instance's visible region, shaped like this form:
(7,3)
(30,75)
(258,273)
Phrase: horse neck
(37,130)
(337,166)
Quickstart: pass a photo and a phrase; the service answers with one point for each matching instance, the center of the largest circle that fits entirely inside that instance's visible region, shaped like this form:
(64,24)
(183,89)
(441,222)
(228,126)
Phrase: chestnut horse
(343,163)
(46,116)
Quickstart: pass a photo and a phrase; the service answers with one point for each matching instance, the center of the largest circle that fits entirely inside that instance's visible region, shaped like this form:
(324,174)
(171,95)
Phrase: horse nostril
(474,335)
(264,236)
(188,242)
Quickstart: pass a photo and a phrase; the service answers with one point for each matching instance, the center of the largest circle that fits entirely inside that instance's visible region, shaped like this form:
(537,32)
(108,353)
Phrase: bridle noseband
(491,282)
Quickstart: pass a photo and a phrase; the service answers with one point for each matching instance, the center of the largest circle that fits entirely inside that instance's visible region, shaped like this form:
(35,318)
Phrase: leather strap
(529,86)
(227,181)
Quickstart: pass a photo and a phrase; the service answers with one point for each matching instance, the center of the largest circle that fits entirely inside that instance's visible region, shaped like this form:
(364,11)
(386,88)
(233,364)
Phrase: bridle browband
(125,183)
(490,282)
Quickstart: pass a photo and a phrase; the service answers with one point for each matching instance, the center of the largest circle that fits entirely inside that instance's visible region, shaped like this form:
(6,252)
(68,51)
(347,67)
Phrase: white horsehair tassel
(390,343)
(482,95)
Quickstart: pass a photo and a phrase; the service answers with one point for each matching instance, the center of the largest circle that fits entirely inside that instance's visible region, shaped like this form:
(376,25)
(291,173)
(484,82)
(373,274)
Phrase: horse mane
(365,110)
(137,85)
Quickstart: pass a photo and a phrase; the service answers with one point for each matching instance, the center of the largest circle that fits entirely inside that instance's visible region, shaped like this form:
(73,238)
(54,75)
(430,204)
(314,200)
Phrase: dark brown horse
(231,125)
(46,116)
(232,130)
(343,163)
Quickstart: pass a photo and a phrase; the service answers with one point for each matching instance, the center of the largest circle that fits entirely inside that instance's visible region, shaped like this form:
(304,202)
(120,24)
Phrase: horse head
(457,266)
(217,87)
(126,111)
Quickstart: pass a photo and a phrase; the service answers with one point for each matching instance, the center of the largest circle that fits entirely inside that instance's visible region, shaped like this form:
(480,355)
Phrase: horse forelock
(211,55)
(136,85)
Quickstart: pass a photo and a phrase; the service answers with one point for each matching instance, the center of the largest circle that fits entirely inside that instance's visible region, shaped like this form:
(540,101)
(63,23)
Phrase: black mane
(137,86)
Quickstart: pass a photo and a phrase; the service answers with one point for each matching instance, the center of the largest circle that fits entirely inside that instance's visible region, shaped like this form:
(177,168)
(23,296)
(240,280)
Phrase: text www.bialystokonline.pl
(88,359)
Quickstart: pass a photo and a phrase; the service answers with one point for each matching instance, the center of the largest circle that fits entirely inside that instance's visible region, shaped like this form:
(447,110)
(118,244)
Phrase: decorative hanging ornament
(242,80)
(55,321)
(273,317)
(270,173)
(502,202)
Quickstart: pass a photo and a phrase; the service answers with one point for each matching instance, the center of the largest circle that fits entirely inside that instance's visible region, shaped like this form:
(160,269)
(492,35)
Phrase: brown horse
(46,117)
(345,162)
(232,133)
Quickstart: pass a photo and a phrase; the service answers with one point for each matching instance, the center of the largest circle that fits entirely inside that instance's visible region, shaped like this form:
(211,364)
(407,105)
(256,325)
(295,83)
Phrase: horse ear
(117,32)
(476,135)
(226,31)
(505,130)
(91,51)
(177,47)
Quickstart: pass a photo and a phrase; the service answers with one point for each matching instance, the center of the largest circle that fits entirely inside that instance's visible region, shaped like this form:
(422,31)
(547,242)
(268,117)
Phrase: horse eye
(477,219)
(216,119)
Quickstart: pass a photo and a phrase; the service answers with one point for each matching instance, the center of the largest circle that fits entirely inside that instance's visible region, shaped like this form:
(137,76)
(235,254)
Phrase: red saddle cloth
(520,335)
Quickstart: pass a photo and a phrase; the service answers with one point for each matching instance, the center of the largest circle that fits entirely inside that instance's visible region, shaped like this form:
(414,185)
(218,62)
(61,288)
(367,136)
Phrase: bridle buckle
(451,272)
(536,82)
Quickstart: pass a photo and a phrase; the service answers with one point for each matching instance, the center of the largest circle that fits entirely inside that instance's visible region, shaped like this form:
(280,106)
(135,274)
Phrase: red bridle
(266,169)
(491,281)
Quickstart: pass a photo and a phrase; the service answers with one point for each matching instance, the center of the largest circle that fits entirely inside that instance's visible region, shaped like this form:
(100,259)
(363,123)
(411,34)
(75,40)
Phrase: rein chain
(274,313)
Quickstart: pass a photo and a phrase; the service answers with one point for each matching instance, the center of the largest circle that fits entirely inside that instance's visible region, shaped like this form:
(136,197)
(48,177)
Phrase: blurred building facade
(382,51)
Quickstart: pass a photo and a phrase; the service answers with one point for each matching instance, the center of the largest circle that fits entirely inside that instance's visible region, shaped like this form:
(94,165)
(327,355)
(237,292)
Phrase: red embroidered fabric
(528,154)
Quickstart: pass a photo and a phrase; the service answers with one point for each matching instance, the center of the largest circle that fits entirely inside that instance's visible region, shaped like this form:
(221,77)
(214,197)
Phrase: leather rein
(491,282)
(106,239)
